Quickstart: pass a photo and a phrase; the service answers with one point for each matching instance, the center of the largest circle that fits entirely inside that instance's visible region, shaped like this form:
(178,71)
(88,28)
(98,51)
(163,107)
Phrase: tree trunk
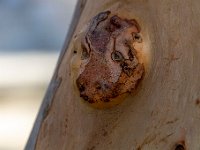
(164,111)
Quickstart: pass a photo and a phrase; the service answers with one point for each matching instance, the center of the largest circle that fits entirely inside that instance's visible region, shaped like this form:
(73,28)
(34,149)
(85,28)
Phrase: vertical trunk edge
(54,83)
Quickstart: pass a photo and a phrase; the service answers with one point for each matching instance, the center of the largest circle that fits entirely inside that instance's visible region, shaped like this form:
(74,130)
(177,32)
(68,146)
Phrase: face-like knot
(109,66)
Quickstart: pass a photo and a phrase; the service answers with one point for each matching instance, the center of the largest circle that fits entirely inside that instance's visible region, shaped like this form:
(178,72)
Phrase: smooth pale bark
(164,112)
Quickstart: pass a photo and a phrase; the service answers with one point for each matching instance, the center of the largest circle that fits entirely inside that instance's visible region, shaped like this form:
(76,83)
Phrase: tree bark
(164,113)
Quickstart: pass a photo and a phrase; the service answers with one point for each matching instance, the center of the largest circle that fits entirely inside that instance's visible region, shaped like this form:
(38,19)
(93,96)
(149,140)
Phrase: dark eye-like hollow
(116,21)
(117,56)
(137,37)
(81,87)
(85,53)
(180,147)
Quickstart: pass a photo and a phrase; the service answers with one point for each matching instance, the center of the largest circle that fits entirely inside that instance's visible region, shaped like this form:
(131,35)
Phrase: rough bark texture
(108,65)
(164,113)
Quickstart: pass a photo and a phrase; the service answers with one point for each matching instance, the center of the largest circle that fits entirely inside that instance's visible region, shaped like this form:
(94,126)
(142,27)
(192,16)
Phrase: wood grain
(165,110)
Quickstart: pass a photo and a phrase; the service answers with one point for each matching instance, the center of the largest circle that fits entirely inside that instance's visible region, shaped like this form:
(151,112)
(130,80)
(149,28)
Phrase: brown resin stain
(197,101)
(109,66)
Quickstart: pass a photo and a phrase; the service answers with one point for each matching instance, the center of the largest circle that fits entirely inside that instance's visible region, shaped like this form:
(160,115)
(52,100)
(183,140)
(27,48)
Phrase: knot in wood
(109,63)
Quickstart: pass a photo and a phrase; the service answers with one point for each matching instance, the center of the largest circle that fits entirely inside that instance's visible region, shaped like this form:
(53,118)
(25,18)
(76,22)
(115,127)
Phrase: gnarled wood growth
(163,112)
(110,66)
